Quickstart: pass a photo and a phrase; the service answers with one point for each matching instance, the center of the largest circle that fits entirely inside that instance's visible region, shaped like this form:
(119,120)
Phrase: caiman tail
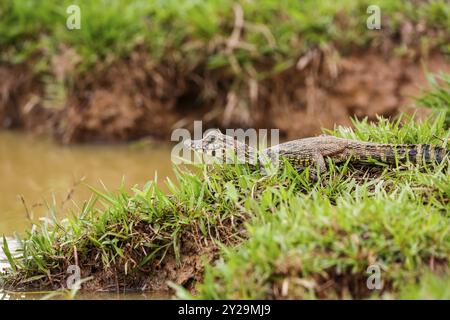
(415,153)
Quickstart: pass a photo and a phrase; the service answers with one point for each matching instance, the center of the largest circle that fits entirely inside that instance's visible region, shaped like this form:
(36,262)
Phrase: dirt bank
(130,271)
(20,99)
(135,98)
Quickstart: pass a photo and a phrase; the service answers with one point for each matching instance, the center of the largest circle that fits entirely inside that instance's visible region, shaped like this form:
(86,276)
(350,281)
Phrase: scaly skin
(216,144)
(312,152)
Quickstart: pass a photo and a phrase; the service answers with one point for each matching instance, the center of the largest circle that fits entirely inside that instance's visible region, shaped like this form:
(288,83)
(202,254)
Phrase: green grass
(271,237)
(193,33)
(279,236)
(187,43)
(430,287)
(317,241)
(438,97)
(127,233)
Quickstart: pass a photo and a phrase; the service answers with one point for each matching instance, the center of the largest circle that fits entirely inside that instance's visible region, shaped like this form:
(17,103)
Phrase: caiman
(312,152)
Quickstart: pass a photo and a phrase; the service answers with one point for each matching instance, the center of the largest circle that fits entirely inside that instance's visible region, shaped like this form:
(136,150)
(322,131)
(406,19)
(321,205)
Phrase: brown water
(39,170)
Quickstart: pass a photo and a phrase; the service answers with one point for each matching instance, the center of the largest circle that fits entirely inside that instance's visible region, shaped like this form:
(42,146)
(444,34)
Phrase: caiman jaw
(194,144)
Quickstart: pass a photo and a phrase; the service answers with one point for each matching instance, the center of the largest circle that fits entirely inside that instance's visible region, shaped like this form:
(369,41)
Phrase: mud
(128,100)
(20,99)
(134,97)
(197,249)
(360,85)
(184,268)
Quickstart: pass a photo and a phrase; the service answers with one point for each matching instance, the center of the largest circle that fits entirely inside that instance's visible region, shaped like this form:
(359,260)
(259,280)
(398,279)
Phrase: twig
(29,216)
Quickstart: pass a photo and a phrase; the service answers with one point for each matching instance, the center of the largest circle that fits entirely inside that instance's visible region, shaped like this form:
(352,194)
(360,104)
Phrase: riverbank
(360,231)
(295,66)
(38,173)
(280,236)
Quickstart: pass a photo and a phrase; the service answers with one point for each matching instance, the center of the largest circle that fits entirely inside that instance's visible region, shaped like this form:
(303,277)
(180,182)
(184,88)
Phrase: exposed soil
(135,98)
(185,269)
(362,85)
(20,96)
(288,281)
(154,277)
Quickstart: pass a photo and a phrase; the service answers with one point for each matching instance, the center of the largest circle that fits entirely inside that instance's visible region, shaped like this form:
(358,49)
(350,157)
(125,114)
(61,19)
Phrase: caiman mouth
(194,144)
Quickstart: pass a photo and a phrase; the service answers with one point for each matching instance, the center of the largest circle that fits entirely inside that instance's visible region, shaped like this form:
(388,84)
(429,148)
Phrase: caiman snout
(194,144)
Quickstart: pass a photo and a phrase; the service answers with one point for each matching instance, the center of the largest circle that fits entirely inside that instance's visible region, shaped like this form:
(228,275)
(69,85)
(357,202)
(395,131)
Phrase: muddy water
(35,171)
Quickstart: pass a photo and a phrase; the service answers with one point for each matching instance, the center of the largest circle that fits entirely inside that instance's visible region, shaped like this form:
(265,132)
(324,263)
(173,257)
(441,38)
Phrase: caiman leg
(314,160)
(318,164)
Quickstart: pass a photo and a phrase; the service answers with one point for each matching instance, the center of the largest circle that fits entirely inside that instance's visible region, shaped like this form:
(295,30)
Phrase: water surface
(36,172)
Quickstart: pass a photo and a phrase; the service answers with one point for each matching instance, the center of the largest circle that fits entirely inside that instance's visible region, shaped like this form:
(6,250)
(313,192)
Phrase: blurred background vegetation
(141,68)
(190,32)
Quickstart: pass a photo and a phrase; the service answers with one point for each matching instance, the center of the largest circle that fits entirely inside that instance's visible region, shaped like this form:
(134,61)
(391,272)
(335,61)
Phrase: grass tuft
(277,236)
(189,33)
(438,97)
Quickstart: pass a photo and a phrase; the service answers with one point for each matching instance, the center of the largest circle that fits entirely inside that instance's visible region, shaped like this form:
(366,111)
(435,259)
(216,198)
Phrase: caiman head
(221,147)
